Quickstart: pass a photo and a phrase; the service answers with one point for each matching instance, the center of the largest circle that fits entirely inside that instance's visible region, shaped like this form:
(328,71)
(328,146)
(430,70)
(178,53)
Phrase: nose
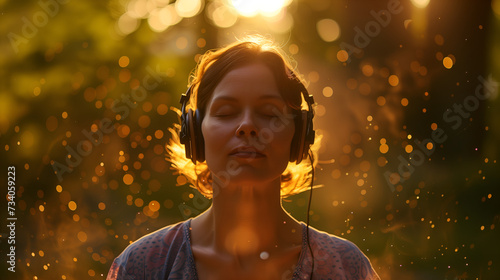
(247,126)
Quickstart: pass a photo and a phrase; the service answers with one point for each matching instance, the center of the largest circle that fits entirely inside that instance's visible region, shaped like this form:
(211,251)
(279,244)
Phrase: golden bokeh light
(221,14)
(447,62)
(128,179)
(393,80)
(72,205)
(123,61)
(342,56)
(328,29)
(154,205)
(268,8)
(367,70)
(381,101)
(327,91)
(188,8)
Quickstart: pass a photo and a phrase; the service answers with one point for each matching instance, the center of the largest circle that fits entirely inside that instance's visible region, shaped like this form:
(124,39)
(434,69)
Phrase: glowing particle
(123,61)
(72,205)
(181,180)
(384,148)
(439,56)
(201,43)
(328,29)
(360,182)
(124,75)
(358,152)
(82,236)
(367,70)
(102,206)
(139,202)
(128,179)
(144,121)
(393,80)
(365,166)
(381,101)
(154,205)
(162,109)
(264,255)
(99,170)
(408,148)
(36,91)
(404,102)
(447,62)
(181,42)
(342,56)
(327,91)
(336,174)
(439,40)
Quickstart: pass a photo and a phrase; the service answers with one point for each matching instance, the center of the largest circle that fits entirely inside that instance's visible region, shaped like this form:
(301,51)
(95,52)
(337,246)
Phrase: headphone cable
(311,158)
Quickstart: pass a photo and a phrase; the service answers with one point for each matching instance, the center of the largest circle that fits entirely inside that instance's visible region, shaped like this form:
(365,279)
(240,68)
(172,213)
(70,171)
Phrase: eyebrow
(264,97)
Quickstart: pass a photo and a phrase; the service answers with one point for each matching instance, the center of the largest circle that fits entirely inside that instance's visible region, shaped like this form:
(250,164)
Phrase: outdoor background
(87,90)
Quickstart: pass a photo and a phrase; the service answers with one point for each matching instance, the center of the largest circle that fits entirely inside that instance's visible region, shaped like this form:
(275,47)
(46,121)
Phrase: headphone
(192,137)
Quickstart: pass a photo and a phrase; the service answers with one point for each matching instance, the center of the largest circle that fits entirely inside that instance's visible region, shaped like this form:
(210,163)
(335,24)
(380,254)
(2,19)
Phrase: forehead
(252,81)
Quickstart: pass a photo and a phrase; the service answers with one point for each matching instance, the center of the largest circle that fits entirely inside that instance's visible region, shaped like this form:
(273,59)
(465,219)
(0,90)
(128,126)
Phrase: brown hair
(211,69)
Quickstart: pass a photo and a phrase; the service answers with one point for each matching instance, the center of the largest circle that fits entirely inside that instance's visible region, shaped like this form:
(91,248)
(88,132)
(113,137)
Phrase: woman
(246,127)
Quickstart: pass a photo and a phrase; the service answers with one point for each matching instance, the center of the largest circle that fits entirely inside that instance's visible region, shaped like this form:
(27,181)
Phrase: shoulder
(334,255)
(152,255)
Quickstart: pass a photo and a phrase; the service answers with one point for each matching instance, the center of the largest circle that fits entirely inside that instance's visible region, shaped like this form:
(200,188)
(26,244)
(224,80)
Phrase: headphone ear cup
(310,134)
(192,137)
(302,137)
(185,134)
(199,141)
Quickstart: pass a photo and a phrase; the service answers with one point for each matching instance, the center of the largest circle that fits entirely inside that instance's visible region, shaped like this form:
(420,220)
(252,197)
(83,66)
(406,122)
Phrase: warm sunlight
(420,3)
(268,8)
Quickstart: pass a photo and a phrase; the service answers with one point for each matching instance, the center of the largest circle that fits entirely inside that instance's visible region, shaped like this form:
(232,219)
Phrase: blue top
(166,254)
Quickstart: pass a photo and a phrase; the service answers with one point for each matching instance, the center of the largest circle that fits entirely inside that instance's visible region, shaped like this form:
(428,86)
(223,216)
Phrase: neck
(249,220)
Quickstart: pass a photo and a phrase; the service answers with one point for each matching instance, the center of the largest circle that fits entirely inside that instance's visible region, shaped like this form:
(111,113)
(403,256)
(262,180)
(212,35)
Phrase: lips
(246,152)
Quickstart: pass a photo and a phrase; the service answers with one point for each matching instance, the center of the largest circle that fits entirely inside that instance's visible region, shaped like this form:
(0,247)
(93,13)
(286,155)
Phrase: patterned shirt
(166,254)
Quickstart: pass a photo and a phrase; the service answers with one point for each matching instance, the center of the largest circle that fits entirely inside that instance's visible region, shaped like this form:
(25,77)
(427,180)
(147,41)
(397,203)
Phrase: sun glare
(420,3)
(268,8)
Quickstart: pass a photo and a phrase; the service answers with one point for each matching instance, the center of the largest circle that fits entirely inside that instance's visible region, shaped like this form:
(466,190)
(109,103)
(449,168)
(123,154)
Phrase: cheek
(215,138)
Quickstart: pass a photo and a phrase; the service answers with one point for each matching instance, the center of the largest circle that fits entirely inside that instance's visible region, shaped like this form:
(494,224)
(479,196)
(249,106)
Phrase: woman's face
(247,128)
